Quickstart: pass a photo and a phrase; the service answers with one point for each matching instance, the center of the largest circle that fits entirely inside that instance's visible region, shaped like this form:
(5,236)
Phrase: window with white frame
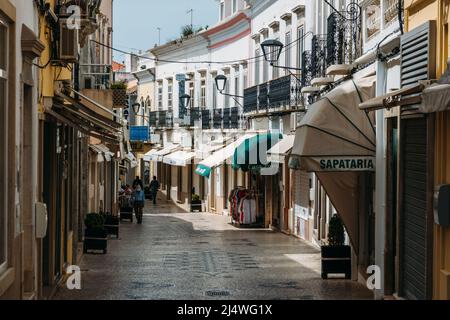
(227,92)
(192,94)
(214,92)
(245,68)
(222,10)
(203,93)
(257,66)
(300,45)
(235,6)
(160,95)
(287,53)
(276,71)
(170,94)
(3,137)
(236,87)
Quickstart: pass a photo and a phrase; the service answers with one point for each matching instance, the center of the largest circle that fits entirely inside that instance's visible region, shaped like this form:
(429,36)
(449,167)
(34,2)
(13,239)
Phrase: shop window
(3,144)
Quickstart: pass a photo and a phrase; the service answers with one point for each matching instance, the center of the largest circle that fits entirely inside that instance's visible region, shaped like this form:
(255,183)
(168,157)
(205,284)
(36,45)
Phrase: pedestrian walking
(154,187)
(138,182)
(139,203)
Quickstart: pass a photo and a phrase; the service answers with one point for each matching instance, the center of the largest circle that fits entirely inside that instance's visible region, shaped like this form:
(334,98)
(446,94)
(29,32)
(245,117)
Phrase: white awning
(106,152)
(179,158)
(206,150)
(217,158)
(159,155)
(149,155)
(99,153)
(281,149)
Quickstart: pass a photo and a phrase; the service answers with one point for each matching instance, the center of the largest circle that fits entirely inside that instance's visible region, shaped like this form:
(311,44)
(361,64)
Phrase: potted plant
(196,204)
(111,224)
(336,256)
(119,90)
(95,235)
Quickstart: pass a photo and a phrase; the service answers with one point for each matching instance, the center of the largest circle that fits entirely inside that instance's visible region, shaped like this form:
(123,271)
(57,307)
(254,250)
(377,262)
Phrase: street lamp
(221,83)
(185,100)
(272,50)
(136,107)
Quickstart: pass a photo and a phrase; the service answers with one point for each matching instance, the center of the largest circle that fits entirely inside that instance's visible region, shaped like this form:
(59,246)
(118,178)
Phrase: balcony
(191,118)
(206,119)
(282,94)
(391,11)
(373,19)
(217,118)
(314,65)
(344,43)
(227,118)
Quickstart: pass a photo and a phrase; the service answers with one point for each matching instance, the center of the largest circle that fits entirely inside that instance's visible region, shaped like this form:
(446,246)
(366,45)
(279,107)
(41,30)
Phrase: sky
(136,21)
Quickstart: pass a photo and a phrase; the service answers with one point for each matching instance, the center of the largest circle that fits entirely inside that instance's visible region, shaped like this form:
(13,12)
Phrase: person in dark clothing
(138,182)
(154,187)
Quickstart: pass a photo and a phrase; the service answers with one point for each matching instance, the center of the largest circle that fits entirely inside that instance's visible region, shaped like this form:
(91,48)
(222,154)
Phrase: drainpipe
(380,189)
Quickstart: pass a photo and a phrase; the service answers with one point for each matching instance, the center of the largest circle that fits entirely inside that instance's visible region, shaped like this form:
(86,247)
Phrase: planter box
(119,98)
(197,206)
(336,260)
(95,239)
(112,226)
(126,214)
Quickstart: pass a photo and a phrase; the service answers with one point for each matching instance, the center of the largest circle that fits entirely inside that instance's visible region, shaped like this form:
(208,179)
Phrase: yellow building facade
(418,12)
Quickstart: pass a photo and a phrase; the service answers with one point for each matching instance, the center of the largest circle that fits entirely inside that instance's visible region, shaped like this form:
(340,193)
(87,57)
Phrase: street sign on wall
(139,133)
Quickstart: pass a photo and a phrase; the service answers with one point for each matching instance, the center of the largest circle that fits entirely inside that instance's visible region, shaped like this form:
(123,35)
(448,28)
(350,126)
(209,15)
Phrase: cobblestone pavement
(200,256)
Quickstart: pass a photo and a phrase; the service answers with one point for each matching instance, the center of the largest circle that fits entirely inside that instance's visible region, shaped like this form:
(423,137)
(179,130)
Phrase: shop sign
(347,164)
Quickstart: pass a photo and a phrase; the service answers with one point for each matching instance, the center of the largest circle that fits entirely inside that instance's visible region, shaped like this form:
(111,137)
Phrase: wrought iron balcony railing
(227,118)
(344,43)
(319,56)
(284,92)
(251,99)
(153,119)
(234,118)
(307,68)
(206,119)
(217,119)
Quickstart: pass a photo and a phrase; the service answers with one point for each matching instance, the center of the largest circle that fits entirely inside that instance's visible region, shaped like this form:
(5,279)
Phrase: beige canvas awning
(281,149)
(435,98)
(337,140)
(405,96)
(335,129)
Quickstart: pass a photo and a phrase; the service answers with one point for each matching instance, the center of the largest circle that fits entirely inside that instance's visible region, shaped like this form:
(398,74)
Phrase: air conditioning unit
(68,42)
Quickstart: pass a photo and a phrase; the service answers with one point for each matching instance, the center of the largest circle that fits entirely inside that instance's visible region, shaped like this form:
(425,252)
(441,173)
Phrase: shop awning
(405,96)
(159,155)
(435,98)
(337,141)
(281,149)
(132,160)
(252,153)
(207,150)
(220,156)
(335,135)
(98,152)
(77,115)
(106,152)
(179,158)
(149,155)
(426,96)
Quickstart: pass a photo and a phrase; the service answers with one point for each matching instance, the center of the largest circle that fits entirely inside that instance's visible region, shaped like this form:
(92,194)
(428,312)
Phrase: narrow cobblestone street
(201,256)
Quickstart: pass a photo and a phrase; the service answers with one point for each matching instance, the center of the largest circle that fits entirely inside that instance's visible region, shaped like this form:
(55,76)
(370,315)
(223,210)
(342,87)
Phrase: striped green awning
(251,155)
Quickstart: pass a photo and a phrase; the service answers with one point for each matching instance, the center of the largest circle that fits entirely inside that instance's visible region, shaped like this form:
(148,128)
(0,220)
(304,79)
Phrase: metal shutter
(413,240)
